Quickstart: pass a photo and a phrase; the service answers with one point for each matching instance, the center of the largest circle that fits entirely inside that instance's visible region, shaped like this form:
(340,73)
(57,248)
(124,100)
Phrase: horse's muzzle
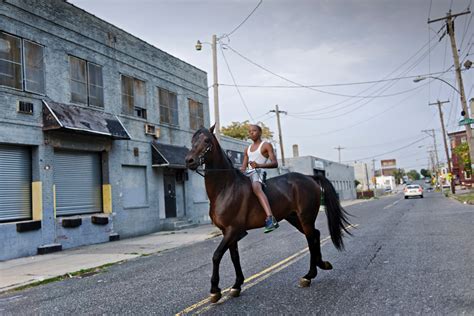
(191,163)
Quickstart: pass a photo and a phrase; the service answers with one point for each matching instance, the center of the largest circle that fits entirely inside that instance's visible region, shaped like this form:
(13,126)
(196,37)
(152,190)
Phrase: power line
(242,23)
(362,121)
(233,79)
(332,84)
(392,151)
(297,83)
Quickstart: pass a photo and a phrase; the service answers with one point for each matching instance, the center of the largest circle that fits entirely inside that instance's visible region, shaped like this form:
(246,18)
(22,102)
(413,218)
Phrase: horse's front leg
(231,236)
(239,276)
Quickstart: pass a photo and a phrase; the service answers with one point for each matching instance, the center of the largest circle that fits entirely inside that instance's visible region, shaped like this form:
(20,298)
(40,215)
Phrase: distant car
(429,189)
(445,186)
(427,181)
(413,190)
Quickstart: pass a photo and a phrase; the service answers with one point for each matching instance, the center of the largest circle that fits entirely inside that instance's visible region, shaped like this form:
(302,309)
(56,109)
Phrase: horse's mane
(213,136)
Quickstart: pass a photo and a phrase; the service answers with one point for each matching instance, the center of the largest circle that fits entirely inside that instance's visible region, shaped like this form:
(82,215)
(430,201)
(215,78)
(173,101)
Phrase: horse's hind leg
(295,221)
(313,238)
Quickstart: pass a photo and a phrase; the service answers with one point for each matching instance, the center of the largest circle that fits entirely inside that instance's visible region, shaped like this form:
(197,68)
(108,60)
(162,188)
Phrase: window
(86,82)
(21,64)
(196,114)
(168,106)
(134,186)
(133,97)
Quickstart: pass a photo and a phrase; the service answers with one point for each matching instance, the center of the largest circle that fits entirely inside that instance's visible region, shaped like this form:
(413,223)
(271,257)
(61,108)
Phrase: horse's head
(202,143)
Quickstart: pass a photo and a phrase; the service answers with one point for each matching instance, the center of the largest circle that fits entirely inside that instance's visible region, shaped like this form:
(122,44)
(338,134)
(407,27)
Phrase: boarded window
(10,61)
(86,82)
(196,114)
(96,85)
(133,97)
(134,186)
(34,67)
(168,107)
(78,80)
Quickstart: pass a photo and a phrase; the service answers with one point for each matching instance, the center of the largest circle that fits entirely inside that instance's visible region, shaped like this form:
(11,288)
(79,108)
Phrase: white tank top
(256,155)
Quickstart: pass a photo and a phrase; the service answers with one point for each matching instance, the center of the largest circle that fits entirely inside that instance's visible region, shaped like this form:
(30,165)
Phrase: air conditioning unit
(152,130)
(24,107)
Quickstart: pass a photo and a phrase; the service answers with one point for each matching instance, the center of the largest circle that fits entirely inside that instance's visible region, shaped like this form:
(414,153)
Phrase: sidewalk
(29,270)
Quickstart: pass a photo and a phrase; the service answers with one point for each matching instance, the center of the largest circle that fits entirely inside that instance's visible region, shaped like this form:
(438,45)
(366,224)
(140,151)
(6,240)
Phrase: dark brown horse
(235,209)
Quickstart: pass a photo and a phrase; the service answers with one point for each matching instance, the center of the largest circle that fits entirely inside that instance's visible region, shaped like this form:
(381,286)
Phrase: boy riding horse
(257,156)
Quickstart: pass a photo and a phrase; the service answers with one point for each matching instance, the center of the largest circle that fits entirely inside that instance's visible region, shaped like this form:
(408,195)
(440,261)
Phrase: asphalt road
(411,256)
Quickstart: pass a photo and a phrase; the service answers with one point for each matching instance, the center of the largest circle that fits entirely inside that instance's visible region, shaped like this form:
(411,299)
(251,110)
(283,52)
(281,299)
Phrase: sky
(332,65)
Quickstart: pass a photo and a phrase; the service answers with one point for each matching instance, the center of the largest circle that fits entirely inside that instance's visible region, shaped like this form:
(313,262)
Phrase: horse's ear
(211,129)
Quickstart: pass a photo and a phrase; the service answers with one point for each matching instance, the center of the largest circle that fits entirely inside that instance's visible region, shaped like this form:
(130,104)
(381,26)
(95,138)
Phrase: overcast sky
(314,43)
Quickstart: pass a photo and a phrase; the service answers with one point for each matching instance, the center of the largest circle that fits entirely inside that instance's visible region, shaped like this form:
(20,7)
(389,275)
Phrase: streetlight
(418,79)
(464,113)
(215,85)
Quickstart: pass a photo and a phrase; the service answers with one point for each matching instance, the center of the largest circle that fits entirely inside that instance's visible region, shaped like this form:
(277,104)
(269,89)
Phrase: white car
(413,190)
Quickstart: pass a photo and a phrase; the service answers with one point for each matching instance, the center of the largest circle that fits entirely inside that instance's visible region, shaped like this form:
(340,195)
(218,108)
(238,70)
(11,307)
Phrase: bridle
(201,159)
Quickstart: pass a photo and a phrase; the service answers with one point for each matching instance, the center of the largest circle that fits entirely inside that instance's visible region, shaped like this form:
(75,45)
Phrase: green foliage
(413,174)
(462,151)
(398,174)
(425,173)
(240,130)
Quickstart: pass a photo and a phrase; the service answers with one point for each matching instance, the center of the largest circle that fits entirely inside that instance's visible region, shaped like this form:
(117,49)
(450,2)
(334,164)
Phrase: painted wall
(65,30)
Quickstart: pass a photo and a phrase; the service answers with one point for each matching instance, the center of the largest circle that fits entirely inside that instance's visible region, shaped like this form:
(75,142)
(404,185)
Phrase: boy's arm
(245,162)
(273,163)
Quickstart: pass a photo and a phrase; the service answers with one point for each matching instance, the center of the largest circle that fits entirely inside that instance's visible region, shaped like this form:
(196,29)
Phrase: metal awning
(164,155)
(57,116)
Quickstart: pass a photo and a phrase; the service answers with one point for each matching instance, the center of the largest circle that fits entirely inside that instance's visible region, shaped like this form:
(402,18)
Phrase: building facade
(341,176)
(461,176)
(94,127)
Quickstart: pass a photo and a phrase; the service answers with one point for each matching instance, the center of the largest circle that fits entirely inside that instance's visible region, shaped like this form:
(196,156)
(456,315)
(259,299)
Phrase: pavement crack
(374,256)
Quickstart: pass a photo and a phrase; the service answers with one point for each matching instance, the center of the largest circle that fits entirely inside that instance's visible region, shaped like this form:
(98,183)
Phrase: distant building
(340,175)
(389,166)
(461,176)
(363,173)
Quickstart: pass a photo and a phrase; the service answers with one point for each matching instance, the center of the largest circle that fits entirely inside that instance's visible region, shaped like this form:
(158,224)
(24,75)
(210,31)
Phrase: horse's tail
(337,216)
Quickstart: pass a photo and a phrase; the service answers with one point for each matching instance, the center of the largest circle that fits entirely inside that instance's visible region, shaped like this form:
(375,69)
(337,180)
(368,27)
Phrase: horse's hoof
(305,282)
(215,297)
(326,265)
(234,292)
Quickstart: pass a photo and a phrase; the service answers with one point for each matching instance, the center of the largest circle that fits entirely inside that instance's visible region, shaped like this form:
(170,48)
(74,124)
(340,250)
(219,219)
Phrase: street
(410,256)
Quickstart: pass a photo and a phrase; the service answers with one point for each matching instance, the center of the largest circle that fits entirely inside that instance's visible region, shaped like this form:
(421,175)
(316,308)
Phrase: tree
(413,174)
(356,183)
(462,151)
(398,174)
(425,173)
(240,130)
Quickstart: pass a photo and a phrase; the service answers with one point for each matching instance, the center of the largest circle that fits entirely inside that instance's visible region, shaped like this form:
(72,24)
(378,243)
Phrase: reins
(202,162)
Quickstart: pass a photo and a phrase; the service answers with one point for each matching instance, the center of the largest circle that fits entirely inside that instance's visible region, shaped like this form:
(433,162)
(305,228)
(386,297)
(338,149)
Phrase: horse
(234,208)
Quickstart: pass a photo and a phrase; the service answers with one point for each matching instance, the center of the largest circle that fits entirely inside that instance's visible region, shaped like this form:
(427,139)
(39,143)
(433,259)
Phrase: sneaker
(270,224)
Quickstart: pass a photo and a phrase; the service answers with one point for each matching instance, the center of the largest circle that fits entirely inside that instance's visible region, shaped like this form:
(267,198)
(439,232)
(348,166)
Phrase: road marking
(390,205)
(254,279)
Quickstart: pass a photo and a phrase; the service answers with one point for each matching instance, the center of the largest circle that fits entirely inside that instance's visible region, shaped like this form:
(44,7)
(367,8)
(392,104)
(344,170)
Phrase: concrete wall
(340,175)
(65,30)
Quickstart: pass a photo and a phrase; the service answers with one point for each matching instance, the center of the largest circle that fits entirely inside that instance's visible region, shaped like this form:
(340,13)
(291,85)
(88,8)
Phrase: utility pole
(339,148)
(450,29)
(451,182)
(367,176)
(215,86)
(277,111)
(431,132)
(374,178)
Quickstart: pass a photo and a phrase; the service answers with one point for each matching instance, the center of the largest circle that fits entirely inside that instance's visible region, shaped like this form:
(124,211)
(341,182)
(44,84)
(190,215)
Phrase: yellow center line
(258,277)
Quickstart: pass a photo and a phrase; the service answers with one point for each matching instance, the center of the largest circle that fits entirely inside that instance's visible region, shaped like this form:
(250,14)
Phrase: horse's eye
(207,140)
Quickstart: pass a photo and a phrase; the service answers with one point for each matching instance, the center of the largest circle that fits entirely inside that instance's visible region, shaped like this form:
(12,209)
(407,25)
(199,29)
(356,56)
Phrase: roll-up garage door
(15,182)
(78,181)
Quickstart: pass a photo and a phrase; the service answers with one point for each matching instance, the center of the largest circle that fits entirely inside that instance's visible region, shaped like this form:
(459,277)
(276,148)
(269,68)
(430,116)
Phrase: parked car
(413,190)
